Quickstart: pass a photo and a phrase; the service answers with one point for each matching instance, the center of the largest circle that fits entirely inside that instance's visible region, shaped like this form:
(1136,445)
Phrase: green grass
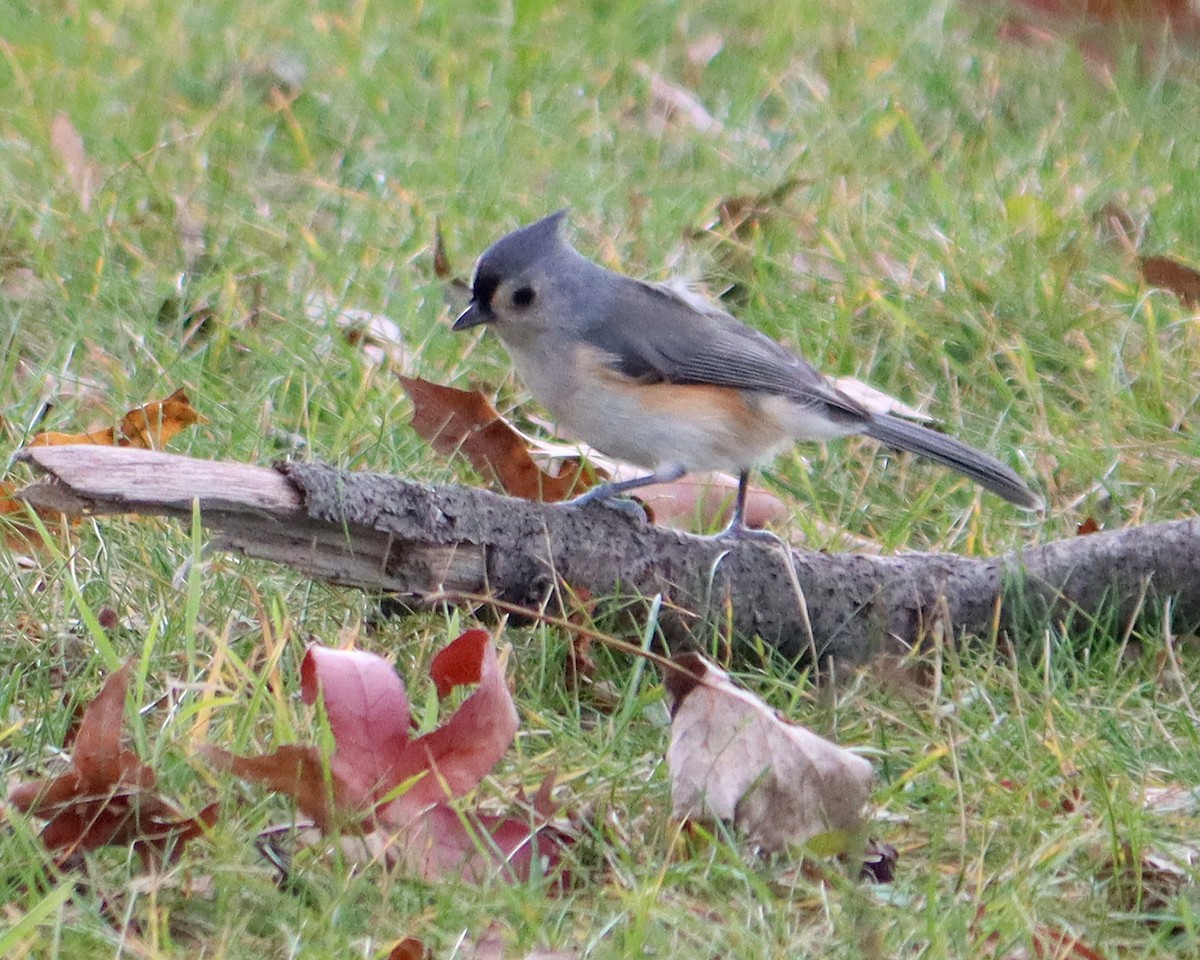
(949,183)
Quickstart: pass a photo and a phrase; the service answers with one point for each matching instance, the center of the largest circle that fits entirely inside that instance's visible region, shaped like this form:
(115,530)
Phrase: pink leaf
(463,750)
(373,755)
(368,714)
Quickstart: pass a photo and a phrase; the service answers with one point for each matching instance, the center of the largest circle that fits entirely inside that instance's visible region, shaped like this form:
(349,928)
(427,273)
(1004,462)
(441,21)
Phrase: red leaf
(463,750)
(368,714)
(373,756)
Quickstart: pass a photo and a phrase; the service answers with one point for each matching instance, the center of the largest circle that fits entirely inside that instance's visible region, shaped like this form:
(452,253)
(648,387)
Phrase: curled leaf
(734,759)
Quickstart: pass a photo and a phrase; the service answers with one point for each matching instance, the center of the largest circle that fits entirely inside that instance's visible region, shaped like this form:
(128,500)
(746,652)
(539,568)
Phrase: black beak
(475,314)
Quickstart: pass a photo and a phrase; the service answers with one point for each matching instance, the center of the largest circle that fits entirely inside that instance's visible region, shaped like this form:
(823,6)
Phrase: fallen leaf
(1148,879)
(68,144)
(700,52)
(1051,944)
(742,215)
(410,948)
(380,337)
(148,427)
(1088,526)
(879,862)
(876,400)
(20,533)
(106,796)
(490,946)
(457,290)
(1174,275)
(671,102)
(704,500)
(464,421)
(732,758)
(1116,226)
(1176,798)
(1102,31)
(396,789)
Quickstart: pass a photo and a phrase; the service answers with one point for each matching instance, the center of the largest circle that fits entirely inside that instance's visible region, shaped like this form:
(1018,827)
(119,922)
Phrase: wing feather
(679,341)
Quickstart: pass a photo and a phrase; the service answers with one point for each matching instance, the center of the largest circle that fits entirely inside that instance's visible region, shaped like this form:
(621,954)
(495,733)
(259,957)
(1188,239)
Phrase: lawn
(195,194)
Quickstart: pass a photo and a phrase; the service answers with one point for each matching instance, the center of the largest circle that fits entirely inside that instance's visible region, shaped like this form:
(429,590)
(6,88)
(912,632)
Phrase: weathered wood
(438,543)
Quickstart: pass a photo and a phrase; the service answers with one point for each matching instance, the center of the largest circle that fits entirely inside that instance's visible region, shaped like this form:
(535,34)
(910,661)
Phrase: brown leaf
(464,421)
(410,948)
(1116,226)
(19,531)
(1174,275)
(68,144)
(879,862)
(1051,944)
(734,759)
(107,794)
(671,103)
(741,215)
(1087,527)
(457,290)
(441,261)
(148,427)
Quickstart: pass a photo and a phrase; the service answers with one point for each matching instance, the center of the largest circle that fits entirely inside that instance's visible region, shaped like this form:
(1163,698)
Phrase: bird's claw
(749,534)
(632,509)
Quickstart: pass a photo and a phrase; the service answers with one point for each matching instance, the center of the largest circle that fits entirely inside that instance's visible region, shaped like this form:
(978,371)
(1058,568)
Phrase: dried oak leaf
(464,421)
(1174,275)
(18,531)
(457,291)
(107,796)
(148,427)
(732,758)
(381,781)
(410,948)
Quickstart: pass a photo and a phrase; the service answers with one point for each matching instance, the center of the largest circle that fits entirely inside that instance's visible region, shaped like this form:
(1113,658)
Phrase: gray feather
(983,469)
(677,343)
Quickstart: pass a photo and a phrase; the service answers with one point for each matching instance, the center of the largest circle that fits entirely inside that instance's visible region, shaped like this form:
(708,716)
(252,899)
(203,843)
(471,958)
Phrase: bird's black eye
(523,296)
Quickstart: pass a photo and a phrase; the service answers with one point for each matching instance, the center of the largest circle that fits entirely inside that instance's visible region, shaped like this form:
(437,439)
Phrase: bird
(658,376)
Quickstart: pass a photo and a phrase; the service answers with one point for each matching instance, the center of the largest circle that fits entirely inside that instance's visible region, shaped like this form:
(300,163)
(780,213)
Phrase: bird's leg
(737,529)
(605,492)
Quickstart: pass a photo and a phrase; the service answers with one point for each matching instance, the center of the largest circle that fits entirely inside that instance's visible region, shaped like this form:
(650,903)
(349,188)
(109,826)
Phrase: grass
(941,243)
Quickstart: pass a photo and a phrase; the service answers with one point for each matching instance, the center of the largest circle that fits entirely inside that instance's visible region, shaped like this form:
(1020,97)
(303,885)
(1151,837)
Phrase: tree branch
(441,543)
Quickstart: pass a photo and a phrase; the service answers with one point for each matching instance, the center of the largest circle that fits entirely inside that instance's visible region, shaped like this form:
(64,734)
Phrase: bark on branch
(441,543)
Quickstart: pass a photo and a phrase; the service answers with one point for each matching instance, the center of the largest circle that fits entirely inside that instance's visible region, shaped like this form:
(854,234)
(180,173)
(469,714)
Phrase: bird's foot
(739,531)
(633,509)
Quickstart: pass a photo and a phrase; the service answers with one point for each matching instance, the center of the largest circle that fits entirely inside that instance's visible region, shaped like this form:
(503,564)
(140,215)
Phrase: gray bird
(659,378)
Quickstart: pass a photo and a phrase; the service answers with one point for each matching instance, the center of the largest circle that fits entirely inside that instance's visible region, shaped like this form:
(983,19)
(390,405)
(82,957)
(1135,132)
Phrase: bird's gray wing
(676,338)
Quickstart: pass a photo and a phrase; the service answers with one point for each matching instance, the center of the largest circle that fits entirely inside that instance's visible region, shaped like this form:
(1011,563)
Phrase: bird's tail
(987,471)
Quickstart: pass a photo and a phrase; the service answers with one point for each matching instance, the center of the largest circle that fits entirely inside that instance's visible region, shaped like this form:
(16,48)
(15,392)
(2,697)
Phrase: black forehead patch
(486,282)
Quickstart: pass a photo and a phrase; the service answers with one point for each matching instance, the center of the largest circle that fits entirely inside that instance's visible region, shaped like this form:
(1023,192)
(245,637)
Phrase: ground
(949,210)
